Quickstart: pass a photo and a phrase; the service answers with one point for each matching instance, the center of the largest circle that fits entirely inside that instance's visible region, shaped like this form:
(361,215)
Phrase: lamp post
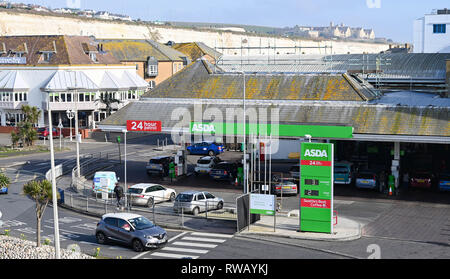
(54,196)
(77,136)
(70,115)
(246,190)
(124,131)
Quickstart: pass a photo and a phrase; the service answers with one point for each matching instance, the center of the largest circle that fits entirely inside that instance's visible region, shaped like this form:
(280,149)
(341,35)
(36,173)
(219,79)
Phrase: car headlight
(148,236)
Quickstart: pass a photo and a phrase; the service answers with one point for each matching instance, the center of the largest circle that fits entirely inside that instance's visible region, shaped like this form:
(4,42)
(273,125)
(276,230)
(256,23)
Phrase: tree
(107,99)
(26,132)
(4,180)
(41,193)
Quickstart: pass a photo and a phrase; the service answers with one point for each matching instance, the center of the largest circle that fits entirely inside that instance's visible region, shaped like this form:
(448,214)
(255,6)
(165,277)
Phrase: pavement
(287,225)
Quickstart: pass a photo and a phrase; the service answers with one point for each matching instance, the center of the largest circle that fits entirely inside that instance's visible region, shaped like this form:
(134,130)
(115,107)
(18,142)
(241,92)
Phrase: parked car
(224,171)
(420,179)
(444,182)
(147,194)
(104,180)
(284,187)
(195,202)
(295,172)
(130,229)
(367,179)
(45,132)
(3,190)
(343,173)
(205,148)
(206,164)
(159,165)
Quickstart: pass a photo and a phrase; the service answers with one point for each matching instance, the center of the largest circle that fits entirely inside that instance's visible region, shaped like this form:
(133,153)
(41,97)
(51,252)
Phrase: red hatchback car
(44,133)
(421,180)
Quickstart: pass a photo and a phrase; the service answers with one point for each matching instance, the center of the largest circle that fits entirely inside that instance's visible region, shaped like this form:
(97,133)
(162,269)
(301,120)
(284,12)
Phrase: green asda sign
(279,130)
(316,187)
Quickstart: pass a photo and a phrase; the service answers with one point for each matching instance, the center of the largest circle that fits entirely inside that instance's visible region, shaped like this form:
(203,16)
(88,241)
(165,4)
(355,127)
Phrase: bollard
(153,210)
(182,217)
(206,209)
(87,204)
(71,200)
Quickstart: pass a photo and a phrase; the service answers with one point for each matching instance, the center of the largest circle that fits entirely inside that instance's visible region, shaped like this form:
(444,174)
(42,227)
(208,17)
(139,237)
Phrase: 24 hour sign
(143,126)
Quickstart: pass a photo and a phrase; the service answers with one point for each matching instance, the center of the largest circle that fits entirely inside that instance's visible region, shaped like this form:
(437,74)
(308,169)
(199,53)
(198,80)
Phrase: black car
(159,165)
(224,171)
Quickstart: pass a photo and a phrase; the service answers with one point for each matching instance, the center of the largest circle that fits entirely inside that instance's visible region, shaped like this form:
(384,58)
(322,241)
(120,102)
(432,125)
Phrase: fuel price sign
(316,184)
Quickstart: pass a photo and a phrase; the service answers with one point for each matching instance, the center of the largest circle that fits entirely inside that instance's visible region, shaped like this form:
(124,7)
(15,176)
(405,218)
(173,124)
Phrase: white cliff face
(13,23)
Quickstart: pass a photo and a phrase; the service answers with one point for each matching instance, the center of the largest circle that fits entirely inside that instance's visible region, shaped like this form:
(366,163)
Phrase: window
(111,222)
(439,28)
(152,84)
(93,56)
(152,70)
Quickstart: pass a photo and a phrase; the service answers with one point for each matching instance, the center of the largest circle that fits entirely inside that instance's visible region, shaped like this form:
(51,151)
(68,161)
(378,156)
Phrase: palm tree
(107,99)
(27,133)
(41,192)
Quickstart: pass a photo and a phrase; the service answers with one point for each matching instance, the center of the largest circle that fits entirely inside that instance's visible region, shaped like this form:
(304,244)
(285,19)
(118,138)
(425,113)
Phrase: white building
(432,33)
(62,73)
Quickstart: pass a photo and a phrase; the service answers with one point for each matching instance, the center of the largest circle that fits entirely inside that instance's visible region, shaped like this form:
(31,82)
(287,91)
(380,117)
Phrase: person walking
(119,193)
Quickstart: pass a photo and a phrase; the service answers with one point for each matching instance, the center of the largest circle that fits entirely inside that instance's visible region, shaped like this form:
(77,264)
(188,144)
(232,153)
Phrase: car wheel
(211,153)
(101,238)
(172,197)
(150,202)
(137,245)
(195,211)
(220,205)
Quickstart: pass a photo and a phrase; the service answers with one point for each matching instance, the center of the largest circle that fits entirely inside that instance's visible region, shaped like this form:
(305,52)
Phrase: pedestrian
(119,193)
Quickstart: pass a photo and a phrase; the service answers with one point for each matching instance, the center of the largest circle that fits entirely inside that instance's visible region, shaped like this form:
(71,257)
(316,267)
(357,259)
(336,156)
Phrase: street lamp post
(54,196)
(77,136)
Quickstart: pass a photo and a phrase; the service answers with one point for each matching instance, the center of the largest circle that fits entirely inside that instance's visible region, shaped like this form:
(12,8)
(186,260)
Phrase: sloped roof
(66,80)
(112,82)
(69,49)
(12,81)
(140,50)
(365,118)
(201,80)
(196,50)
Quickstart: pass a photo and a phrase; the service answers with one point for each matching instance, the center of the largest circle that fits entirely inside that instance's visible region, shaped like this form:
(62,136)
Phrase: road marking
(196,251)
(170,240)
(191,244)
(176,256)
(204,239)
(212,234)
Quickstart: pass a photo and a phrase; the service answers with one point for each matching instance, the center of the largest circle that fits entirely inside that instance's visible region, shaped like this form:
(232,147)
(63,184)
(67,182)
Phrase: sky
(392,19)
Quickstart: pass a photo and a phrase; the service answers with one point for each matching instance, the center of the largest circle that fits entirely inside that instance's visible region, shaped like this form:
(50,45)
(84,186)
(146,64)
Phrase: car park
(420,179)
(444,182)
(343,172)
(159,165)
(130,229)
(284,187)
(224,171)
(44,132)
(367,180)
(196,202)
(205,148)
(206,164)
(104,181)
(148,194)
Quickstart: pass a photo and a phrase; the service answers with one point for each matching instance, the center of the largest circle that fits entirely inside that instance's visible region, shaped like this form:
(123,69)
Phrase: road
(390,228)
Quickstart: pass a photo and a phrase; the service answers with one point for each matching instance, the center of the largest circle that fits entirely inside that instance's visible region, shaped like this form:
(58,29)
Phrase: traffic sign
(143,126)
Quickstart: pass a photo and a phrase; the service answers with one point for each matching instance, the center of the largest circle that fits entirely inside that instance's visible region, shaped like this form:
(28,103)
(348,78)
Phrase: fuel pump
(180,163)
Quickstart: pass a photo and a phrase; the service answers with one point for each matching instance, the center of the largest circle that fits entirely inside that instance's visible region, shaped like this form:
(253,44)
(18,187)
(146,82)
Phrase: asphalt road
(386,236)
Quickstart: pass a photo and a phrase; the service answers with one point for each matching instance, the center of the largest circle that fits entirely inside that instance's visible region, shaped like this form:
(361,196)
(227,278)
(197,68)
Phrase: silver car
(195,202)
(130,229)
(147,194)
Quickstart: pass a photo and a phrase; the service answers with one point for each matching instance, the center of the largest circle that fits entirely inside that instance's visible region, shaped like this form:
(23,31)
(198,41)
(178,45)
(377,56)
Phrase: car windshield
(184,198)
(203,162)
(223,166)
(135,190)
(287,182)
(155,161)
(141,223)
(340,170)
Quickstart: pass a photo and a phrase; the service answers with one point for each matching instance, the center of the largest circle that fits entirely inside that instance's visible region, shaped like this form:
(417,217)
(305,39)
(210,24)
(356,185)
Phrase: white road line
(212,235)
(176,256)
(204,239)
(191,244)
(184,250)
(170,240)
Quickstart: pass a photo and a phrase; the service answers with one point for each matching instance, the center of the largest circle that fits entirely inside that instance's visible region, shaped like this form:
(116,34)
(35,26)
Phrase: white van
(104,181)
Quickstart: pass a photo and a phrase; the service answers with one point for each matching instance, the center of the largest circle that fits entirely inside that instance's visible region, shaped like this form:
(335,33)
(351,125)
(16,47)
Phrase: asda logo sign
(203,128)
(316,153)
